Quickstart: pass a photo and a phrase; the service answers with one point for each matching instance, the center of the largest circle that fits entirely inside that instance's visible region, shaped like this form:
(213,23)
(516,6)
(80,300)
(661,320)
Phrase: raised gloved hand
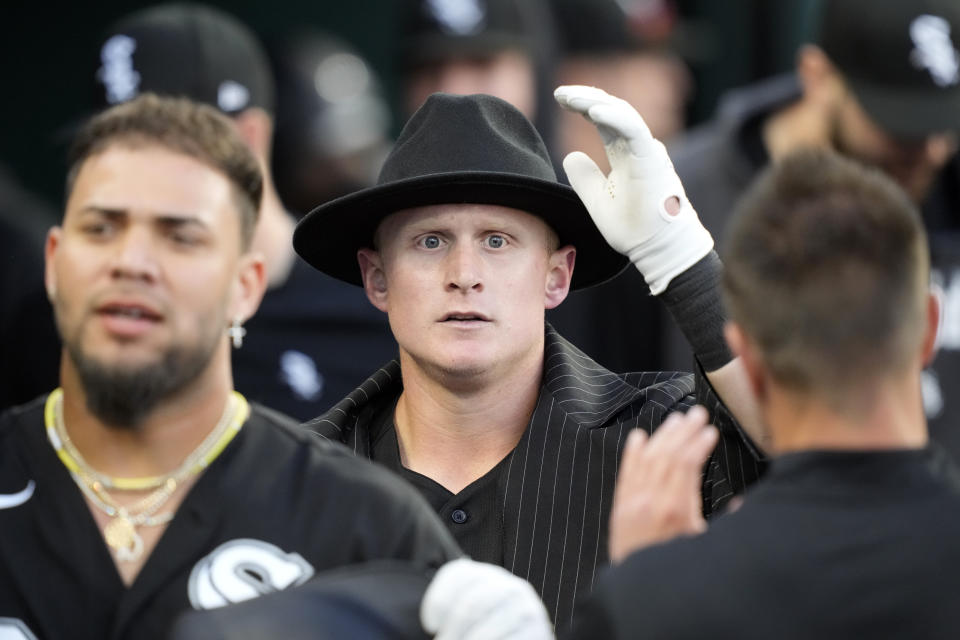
(469,600)
(640,207)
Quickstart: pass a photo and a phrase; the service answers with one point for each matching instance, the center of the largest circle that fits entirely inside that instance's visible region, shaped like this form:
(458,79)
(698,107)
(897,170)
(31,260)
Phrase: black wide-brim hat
(474,149)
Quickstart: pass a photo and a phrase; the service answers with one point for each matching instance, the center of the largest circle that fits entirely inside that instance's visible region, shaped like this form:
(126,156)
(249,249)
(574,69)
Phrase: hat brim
(909,114)
(329,237)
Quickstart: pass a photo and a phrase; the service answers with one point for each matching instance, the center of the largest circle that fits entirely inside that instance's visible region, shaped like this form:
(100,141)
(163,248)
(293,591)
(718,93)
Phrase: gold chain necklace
(121,532)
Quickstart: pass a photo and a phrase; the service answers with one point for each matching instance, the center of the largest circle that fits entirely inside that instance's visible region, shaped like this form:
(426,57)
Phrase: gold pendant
(122,535)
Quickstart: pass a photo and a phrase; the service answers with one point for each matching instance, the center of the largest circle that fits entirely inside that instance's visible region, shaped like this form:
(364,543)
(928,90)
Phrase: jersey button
(459,516)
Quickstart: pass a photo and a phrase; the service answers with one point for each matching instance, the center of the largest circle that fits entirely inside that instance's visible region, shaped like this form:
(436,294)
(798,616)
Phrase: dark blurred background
(49,52)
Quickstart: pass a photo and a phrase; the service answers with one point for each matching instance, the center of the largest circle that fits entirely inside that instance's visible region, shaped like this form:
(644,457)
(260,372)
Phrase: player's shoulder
(662,386)
(271,428)
(325,461)
(14,418)
(656,395)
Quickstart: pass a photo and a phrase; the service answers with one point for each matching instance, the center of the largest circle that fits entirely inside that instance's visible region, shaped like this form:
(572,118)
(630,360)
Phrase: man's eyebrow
(164,219)
(179,220)
(109,212)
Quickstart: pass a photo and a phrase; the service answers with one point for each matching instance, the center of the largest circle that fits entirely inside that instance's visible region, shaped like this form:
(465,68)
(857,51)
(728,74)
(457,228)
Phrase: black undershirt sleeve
(693,299)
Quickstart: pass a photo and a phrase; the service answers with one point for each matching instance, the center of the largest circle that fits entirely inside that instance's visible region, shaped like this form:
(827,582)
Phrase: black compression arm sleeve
(693,298)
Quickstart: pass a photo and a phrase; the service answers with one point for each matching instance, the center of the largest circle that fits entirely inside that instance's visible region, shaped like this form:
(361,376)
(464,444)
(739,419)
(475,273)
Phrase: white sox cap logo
(232,96)
(121,80)
(460,17)
(934,49)
(242,569)
(299,371)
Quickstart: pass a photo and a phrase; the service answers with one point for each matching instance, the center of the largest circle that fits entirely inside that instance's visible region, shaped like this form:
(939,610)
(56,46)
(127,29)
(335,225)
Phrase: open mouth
(465,317)
(132,312)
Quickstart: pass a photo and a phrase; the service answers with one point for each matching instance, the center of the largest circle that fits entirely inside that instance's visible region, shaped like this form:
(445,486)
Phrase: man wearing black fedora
(511,432)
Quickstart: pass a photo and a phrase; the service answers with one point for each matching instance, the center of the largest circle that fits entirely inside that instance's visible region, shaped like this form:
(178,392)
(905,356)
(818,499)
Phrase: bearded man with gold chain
(145,485)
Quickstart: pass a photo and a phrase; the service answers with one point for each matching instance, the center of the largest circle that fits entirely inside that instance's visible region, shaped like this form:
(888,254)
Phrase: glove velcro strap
(672,250)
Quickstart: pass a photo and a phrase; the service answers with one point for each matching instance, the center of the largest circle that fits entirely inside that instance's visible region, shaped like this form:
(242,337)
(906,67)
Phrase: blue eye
(496,242)
(430,242)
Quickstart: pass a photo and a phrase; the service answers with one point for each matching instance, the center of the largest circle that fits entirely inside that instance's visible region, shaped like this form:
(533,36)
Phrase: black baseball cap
(900,58)
(435,30)
(610,26)
(187,50)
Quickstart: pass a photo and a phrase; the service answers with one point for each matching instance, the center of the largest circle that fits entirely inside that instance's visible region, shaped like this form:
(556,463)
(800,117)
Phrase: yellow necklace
(235,413)
(121,532)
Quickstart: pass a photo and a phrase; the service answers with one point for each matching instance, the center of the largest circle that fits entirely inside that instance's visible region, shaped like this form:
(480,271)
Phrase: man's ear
(931,335)
(249,287)
(744,349)
(374,277)
(559,276)
(49,252)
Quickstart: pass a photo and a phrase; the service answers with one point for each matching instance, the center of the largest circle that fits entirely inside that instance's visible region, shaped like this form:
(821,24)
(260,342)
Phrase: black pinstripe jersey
(276,507)
(555,489)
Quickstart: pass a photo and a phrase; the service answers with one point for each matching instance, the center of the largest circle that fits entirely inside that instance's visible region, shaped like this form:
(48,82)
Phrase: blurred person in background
(503,48)
(332,119)
(880,83)
(627,49)
(312,340)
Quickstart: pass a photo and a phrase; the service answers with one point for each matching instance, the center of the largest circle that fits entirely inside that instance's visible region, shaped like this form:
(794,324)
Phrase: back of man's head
(827,273)
(181,126)
(188,50)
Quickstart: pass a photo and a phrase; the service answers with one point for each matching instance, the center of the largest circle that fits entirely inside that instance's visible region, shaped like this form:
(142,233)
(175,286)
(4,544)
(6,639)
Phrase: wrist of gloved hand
(676,247)
(693,299)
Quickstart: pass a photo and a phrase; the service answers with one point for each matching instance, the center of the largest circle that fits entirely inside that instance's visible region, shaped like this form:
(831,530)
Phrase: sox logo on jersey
(242,569)
(14,629)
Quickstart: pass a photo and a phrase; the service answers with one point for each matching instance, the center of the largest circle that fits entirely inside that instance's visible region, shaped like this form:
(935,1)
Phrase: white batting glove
(469,600)
(630,206)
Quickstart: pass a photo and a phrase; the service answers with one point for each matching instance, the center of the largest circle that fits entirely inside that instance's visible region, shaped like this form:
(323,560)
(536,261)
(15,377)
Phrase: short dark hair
(827,270)
(183,126)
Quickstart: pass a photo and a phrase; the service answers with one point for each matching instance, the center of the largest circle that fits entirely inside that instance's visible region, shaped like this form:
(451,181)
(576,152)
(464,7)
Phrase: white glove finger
(590,183)
(620,120)
(584,100)
(584,175)
(579,98)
